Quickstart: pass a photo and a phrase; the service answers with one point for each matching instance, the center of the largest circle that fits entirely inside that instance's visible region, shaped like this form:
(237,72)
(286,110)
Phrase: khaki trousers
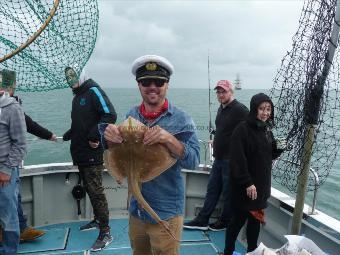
(152,239)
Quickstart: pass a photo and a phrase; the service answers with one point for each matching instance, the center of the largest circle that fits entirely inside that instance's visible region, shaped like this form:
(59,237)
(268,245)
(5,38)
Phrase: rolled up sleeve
(191,155)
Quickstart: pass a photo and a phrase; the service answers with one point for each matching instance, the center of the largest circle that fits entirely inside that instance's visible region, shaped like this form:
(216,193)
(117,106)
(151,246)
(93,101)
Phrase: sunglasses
(221,92)
(158,82)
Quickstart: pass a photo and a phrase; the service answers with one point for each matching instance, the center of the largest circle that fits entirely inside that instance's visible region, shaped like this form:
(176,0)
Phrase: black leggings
(237,221)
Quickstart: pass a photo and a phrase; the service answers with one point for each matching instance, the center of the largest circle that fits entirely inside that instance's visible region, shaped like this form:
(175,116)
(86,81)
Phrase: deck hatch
(54,240)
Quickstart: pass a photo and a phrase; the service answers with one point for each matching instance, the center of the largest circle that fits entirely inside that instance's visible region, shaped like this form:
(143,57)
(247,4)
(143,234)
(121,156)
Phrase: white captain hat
(152,67)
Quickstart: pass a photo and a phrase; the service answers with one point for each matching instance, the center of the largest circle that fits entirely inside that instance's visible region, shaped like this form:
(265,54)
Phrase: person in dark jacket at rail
(90,106)
(29,233)
(230,113)
(36,129)
(254,149)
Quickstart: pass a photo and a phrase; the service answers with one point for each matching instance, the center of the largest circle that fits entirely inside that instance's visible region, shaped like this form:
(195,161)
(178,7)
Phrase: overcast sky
(245,37)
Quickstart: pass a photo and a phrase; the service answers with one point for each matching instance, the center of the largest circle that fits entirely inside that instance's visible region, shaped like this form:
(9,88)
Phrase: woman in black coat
(252,150)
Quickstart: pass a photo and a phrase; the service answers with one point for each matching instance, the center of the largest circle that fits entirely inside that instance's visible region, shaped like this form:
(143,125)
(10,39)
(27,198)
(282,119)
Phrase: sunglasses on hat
(158,82)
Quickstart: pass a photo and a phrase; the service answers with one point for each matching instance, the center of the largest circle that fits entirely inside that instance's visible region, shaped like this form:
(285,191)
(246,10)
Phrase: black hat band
(152,70)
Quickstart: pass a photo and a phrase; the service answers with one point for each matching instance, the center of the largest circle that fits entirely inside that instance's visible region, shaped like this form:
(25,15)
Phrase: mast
(238,82)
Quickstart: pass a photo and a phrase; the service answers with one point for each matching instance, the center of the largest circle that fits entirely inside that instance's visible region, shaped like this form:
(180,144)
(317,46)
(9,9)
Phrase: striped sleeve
(103,103)
(104,109)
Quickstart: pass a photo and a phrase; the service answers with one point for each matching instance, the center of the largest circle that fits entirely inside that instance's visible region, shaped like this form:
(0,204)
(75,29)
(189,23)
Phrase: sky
(248,38)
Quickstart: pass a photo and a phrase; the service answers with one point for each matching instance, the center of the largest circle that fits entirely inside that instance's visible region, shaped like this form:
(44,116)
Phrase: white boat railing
(208,160)
(316,183)
(208,153)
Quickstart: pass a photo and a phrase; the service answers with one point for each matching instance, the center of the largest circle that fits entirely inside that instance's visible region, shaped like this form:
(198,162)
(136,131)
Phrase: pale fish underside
(138,162)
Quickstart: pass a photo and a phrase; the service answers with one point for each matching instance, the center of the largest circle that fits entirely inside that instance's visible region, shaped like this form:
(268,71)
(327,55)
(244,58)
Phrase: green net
(68,40)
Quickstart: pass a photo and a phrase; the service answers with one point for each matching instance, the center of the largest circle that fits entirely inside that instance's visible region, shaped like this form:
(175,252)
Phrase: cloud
(246,37)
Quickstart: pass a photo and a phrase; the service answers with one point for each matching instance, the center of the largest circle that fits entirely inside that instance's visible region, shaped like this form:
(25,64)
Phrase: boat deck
(65,238)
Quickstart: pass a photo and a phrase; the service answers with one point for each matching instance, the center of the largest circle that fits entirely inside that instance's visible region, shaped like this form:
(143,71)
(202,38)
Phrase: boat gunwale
(319,221)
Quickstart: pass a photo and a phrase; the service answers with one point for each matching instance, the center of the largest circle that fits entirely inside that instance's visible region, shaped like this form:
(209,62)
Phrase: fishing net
(68,39)
(307,93)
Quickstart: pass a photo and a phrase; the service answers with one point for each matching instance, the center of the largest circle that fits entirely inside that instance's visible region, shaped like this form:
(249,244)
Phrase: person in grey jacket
(28,233)
(12,151)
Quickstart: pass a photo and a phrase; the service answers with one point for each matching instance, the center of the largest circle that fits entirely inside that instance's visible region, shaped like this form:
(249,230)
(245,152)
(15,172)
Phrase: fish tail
(166,226)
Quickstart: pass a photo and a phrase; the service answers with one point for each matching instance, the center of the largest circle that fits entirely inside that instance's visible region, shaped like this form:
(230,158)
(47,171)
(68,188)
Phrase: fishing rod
(210,124)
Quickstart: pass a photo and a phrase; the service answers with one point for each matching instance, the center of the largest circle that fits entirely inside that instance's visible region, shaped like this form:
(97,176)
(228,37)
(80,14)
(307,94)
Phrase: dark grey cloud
(246,37)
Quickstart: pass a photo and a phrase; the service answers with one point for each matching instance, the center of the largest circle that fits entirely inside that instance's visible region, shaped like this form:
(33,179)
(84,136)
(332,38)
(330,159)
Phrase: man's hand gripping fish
(138,162)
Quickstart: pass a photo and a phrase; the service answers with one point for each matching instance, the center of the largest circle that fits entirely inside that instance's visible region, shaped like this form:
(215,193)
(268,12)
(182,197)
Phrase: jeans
(22,219)
(218,183)
(9,215)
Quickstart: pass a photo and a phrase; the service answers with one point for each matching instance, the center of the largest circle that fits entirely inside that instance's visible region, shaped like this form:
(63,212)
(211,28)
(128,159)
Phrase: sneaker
(195,224)
(103,240)
(91,225)
(218,225)
(30,234)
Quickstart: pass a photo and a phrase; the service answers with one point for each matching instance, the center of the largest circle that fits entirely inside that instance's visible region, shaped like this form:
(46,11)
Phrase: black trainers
(91,225)
(218,225)
(103,240)
(195,224)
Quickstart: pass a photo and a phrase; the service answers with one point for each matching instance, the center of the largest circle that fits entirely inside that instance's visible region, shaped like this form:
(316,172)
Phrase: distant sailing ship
(237,82)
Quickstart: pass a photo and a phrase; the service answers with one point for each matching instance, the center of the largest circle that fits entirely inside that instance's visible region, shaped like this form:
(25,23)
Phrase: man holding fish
(175,130)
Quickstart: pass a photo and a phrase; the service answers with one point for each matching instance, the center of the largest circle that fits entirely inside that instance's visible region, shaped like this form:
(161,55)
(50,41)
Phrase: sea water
(52,110)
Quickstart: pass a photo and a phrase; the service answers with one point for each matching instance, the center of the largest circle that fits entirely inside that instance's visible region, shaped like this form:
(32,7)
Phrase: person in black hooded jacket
(90,106)
(253,150)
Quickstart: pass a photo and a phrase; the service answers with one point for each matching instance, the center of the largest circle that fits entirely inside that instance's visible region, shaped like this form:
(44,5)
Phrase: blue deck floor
(66,238)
